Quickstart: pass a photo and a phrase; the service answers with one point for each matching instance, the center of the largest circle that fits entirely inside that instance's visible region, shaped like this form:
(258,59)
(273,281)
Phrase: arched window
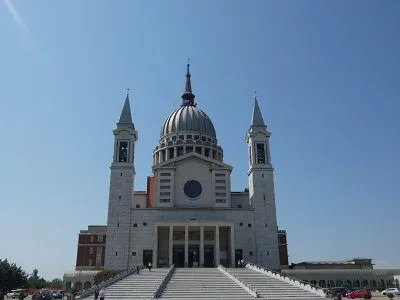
(87,285)
(364,283)
(322,283)
(78,285)
(348,284)
(68,286)
(313,282)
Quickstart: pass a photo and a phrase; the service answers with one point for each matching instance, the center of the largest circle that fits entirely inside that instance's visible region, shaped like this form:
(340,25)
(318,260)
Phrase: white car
(394,291)
(14,293)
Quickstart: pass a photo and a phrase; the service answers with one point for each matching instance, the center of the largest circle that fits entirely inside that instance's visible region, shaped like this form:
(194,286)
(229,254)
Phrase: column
(186,246)
(155,248)
(170,245)
(232,247)
(217,246)
(201,246)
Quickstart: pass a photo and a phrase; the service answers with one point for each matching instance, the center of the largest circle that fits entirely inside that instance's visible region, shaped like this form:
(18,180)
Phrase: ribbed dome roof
(188,118)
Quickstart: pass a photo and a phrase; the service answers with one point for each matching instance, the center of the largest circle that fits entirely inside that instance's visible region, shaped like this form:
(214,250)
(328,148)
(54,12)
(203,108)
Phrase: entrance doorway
(208,256)
(193,256)
(178,256)
(147,257)
(238,256)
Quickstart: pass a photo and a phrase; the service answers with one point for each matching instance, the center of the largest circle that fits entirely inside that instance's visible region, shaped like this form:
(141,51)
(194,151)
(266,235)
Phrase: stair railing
(108,282)
(244,285)
(302,284)
(161,286)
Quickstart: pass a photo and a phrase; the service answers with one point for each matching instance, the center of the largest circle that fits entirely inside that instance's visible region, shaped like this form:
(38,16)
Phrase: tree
(36,282)
(56,283)
(11,276)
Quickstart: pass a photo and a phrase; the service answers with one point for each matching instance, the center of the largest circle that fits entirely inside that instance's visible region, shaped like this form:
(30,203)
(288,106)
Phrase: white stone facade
(189,216)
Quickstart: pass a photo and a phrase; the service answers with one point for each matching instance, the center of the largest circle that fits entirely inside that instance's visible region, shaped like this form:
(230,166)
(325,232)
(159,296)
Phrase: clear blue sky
(327,77)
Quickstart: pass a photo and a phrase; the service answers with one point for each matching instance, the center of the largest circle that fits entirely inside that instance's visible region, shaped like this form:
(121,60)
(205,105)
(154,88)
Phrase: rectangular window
(165,174)
(165,200)
(260,154)
(91,250)
(171,153)
(98,261)
(189,136)
(123,152)
(220,194)
(198,150)
(99,250)
(180,151)
(219,174)
(165,180)
(165,193)
(220,200)
(162,155)
(100,238)
(189,149)
(219,187)
(91,238)
(90,262)
(165,187)
(207,152)
(220,181)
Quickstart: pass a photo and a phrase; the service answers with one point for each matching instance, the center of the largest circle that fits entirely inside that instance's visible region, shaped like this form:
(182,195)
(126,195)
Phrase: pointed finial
(188,96)
(257,119)
(126,116)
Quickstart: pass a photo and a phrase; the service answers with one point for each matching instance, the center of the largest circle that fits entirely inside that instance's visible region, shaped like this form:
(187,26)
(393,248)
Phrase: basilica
(189,216)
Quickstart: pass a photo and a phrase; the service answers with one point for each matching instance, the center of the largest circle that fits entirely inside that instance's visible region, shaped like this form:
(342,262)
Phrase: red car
(359,294)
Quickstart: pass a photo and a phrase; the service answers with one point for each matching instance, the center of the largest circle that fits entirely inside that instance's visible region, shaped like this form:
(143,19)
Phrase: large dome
(188,118)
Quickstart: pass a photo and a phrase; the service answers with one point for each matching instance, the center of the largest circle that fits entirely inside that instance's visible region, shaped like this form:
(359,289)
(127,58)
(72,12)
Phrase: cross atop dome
(188,96)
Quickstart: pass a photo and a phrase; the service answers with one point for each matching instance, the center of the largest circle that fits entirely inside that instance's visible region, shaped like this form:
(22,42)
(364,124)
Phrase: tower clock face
(192,189)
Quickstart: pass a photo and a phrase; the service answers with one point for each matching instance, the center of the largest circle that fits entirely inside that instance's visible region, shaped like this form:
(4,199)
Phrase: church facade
(189,215)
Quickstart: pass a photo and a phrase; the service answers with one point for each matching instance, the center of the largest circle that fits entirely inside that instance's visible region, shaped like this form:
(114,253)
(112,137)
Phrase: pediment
(214,164)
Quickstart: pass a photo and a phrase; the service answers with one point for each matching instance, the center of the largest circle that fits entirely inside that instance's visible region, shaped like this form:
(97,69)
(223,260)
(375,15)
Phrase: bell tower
(261,192)
(121,192)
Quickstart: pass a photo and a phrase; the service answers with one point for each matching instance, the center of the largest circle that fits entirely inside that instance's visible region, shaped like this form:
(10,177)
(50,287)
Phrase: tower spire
(257,119)
(188,96)
(126,116)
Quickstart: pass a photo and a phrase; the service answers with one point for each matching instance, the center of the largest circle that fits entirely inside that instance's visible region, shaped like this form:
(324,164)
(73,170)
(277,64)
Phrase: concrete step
(271,288)
(202,283)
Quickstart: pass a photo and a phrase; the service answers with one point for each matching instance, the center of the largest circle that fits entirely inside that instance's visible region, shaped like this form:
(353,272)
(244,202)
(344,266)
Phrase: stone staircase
(136,286)
(202,283)
(271,288)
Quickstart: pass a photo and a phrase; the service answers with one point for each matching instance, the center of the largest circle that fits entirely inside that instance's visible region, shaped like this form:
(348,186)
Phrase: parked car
(15,293)
(394,291)
(42,295)
(359,294)
(338,290)
(57,294)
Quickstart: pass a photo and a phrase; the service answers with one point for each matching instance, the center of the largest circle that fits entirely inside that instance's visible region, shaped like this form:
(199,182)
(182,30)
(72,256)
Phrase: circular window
(192,189)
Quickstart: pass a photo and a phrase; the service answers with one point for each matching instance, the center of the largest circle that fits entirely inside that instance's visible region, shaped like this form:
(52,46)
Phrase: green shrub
(104,275)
